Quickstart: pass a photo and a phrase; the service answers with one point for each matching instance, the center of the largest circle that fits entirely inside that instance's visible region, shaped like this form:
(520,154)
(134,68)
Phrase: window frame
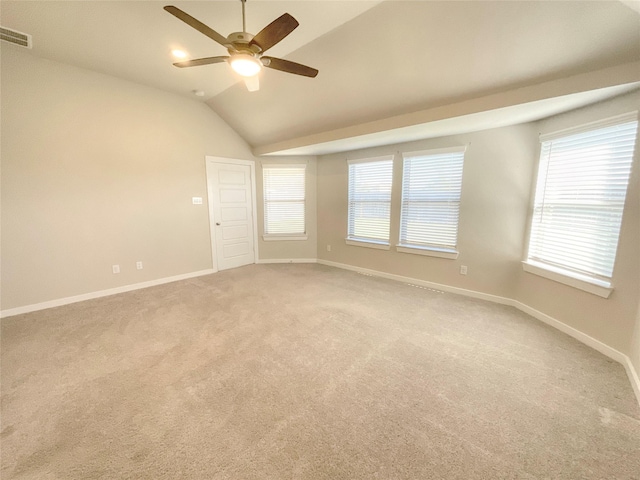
(441,251)
(362,241)
(283,236)
(590,282)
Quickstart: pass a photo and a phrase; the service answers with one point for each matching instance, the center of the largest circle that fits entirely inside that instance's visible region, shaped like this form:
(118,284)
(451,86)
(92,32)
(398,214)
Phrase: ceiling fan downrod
(244,23)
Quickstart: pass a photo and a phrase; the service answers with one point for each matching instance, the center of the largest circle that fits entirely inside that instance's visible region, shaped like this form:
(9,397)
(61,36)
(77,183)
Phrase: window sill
(283,238)
(367,243)
(428,251)
(596,287)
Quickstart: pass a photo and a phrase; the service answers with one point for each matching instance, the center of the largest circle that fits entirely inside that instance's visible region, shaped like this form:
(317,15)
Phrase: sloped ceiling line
(510,107)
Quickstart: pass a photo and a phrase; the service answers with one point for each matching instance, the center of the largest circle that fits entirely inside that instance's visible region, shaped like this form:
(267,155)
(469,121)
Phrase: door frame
(209,160)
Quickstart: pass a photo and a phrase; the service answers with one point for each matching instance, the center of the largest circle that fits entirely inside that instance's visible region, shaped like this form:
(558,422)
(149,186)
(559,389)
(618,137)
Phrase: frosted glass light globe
(246,65)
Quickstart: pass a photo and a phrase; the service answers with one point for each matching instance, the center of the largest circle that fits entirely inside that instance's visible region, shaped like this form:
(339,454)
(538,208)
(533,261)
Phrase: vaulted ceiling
(389,70)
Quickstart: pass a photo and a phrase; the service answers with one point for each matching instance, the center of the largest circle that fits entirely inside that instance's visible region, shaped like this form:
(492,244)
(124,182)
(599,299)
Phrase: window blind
(370,199)
(579,200)
(431,188)
(284,199)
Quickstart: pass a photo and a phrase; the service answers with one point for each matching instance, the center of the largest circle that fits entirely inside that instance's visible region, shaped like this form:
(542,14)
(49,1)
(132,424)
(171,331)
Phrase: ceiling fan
(246,51)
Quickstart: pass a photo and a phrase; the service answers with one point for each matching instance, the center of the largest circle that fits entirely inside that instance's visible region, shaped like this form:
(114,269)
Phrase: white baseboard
(287,260)
(127,288)
(421,283)
(603,348)
(606,350)
(633,377)
(102,293)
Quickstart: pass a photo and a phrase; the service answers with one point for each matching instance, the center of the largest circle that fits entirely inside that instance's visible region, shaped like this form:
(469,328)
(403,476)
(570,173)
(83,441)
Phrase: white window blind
(370,199)
(284,199)
(580,194)
(431,188)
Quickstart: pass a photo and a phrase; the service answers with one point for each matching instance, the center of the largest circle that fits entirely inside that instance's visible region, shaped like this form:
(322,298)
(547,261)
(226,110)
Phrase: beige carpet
(307,372)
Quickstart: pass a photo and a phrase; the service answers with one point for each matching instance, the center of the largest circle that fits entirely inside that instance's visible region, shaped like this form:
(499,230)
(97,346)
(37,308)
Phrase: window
(284,202)
(579,199)
(370,202)
(431,187)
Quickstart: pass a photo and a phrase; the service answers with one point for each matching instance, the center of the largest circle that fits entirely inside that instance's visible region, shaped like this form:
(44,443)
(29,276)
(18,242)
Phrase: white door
(230,188)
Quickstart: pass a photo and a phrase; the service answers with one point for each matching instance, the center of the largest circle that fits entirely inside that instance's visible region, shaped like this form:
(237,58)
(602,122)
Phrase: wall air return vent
(15,37)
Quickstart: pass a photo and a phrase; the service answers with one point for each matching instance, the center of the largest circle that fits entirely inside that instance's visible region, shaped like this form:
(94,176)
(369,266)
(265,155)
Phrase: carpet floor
(307,372)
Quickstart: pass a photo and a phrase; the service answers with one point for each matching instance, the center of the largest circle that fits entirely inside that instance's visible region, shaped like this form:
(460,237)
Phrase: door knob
(218,223)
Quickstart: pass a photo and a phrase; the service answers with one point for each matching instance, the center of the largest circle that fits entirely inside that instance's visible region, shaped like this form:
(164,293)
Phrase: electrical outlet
(115,268)
(463,269)
(328,248)
(139,265)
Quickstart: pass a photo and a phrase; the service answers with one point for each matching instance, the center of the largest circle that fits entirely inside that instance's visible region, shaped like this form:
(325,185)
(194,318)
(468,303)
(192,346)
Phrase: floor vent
(15,37)
(424,288)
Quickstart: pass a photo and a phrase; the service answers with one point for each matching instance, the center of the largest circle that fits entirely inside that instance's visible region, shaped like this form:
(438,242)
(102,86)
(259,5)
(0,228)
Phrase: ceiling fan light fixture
(246,51)
(178,53)
(245,65)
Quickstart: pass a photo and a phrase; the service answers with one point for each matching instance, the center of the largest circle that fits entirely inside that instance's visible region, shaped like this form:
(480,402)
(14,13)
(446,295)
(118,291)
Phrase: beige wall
(634,355)
(291,249)
(609,320)
(495,198)
(98,171)
(498,180)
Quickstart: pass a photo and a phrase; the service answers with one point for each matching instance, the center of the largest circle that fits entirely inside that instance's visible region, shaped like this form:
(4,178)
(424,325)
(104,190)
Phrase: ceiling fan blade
(289,67)
(252,83)
(274,32)
(197,24)
(196,62)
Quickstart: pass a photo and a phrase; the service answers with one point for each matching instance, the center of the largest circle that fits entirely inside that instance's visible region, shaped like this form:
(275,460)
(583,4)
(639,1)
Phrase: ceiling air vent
(15,37)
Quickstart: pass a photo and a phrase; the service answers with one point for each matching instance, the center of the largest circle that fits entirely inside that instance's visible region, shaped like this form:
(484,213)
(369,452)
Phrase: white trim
(283,165)
(208,161)
(435,151)
(428,251)
(101,293)
(283,238)
(606,350)
(252,168)
(590,285)
(254,193)
(367,243)
(603,348)
(384,158)
(288,260)
(421,283)
(633,377)
(606,122)
(231,161)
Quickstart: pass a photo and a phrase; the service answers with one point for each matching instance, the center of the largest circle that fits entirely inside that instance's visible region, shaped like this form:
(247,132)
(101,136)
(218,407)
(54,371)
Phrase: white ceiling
(451,125)
(399,60)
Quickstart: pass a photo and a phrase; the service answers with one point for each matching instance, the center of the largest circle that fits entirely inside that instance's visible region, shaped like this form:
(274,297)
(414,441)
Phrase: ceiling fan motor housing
(240,42)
